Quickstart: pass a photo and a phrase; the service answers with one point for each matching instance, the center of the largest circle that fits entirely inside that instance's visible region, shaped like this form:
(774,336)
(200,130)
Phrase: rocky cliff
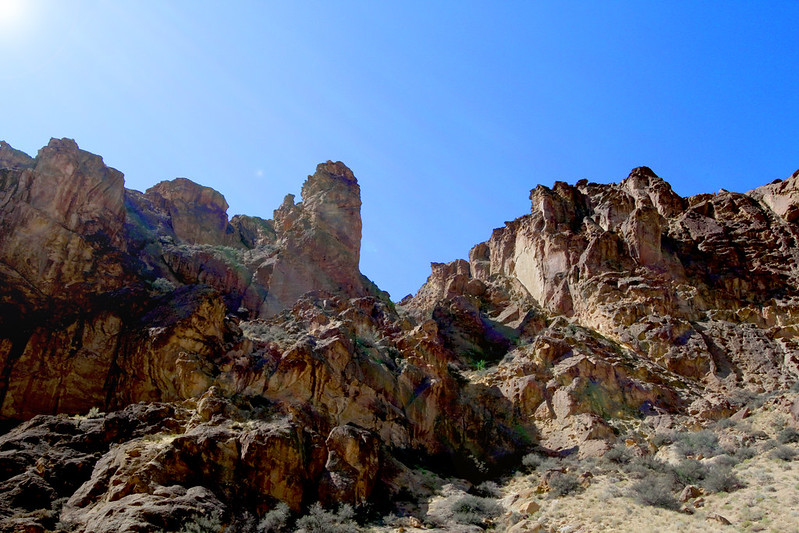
(232,364)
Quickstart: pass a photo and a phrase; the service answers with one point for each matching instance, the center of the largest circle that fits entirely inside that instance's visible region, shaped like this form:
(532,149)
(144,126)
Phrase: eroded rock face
(113,359)
(61,220)
(95,278)
(688,283)
(782,197)
(197,214)
(247,362)
(157,465)
(353,463)
(319,239)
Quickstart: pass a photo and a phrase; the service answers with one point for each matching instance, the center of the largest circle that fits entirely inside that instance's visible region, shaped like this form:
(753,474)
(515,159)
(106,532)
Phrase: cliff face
(62,218)
(704,286)
(272,370)
(91,316)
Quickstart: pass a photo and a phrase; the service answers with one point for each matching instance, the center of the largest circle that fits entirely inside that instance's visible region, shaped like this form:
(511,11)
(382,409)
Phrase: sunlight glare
(10,11)
(12,15)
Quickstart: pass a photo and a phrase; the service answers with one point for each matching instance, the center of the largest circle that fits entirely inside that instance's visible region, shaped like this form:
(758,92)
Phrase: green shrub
(619,454)
(721,479)
(488,489)
(244,522)
(703,442)
(474,510)
(655,491)
(664,438)
(785,453)
(562,483)
(745,452)
(318,520)
(725,460)
(770,444)
(689,472)
(531,461)
(552,463)
(640,467)
(203,524)
(275,520)
(163,285)
(788,435)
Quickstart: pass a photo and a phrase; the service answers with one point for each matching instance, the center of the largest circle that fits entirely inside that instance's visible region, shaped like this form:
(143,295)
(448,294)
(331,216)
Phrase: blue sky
(447,112)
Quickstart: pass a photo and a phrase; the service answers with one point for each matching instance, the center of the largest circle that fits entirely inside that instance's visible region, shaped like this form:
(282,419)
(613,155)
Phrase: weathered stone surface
(61,220)
(353,462)
(197,214)
(12,159)
(96,361)
(782,197)
(698,285)
(690,492)
(528,507)
(269,369)
(72,240)
(319,239)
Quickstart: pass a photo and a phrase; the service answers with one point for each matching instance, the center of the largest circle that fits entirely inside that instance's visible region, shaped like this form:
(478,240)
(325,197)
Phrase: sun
(11,13)
(16,17)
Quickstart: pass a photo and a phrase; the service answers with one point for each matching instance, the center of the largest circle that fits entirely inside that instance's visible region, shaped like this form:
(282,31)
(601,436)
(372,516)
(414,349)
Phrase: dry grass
(769,502)
(767,456)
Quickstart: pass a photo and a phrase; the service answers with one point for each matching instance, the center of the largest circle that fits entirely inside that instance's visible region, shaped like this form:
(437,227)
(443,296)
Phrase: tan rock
(526,526)
(529,507)
(61,217)
(699,502)
(740,414)
(352,464)
(197,214)
(690,492)
(588,240)
(605,303)
(319,239)
(718,518)
(782,197)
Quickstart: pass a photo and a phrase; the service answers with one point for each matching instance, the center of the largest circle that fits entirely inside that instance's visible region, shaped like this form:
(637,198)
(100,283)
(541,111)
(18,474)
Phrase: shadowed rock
(247,362)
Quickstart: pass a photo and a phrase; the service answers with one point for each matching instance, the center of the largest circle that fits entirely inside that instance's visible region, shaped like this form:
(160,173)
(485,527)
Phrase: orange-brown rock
(319,240)
(705,286)
(61,221)
(247,361)
(197,214)
(353,462)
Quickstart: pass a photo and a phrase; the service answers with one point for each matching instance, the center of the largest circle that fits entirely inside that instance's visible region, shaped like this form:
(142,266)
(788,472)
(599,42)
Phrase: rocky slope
(232,364)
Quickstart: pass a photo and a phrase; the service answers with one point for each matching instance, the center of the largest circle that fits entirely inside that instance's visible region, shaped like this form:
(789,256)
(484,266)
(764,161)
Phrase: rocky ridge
(232,364)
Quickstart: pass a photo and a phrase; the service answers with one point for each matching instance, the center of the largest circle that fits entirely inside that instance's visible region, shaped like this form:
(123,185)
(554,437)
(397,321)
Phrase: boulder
(353,462)
(196,214)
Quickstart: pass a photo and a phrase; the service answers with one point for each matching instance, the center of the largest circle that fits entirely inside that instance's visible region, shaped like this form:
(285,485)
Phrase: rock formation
(232,364)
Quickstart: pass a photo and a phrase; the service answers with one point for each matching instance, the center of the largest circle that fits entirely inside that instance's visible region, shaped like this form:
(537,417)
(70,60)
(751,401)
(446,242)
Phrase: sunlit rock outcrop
(222,366)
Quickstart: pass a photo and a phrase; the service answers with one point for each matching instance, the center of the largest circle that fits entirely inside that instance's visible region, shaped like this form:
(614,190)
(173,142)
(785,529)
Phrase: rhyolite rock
(61,222)
(197,214)
(706,286)
(319,239)
(229,364)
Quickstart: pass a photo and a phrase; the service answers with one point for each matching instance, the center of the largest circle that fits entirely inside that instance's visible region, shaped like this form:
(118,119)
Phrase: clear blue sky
(447,112)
